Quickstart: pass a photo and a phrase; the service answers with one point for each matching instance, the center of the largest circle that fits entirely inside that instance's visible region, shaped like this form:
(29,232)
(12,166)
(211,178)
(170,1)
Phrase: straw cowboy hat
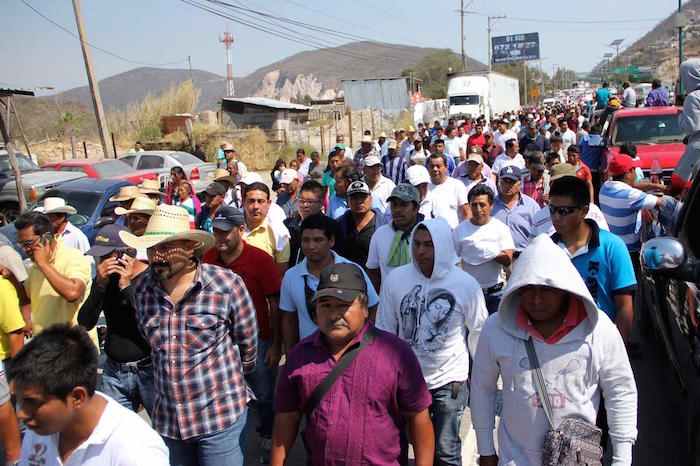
(150,187)
(56,205)
(221,174)
(141,205)
(126,193)
(169,223)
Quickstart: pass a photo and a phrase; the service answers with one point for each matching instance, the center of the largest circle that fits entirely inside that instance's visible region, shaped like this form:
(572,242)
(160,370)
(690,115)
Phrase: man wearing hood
(439,310)
(581,356)
(689,120)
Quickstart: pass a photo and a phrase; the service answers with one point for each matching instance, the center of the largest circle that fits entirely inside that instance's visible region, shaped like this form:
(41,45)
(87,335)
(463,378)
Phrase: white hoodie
(589,361)
(433,314)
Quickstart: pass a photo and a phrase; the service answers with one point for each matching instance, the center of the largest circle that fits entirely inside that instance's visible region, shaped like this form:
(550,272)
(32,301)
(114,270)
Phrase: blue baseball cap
(227,218)
(107,240)
(510,171)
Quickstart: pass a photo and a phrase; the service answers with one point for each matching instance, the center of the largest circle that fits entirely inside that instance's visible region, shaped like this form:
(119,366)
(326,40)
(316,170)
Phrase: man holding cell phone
(128,372)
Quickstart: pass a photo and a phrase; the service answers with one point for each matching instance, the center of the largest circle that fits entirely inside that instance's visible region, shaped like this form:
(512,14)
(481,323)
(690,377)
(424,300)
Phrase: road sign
(515,47)
(623,69)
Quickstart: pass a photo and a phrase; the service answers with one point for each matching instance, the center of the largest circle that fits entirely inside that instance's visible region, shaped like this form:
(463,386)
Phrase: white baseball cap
(417,174)
(371,160)
(288,176)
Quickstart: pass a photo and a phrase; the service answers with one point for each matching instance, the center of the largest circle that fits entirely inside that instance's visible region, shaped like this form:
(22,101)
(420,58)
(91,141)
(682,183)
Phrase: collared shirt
(500,139)
(361,420)
(605,266)
(574,316)
(621,204)
(275,243)
(504,159)
(657,98)
(568,138)
(519,219)
(629,98)
(288,205)
(201,348)
(329,182)
(337,206)
(10,318)
(120,438)
(49,307)
(259,273)
(293,292)
(540,142)
(381,192)
(394,168)
(532,189)
(485,178)
(73,237)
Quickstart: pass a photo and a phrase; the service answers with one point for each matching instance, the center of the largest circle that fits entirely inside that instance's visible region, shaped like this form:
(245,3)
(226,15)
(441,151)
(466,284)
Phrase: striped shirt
(621,204)
(201,348)
(394,168)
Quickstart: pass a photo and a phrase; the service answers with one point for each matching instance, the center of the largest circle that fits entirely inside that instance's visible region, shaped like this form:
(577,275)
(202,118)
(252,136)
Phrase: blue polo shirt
(519,219)
(605,266)
(293,292)
(337,206)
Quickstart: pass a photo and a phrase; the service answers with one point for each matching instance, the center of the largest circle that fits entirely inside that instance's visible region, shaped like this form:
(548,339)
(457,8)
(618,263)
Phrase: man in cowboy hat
(136,218)
(126,195)
(200,322)
(127,376)
(151,188)
(229,181)
(59,276)
(58,211)
(365,151)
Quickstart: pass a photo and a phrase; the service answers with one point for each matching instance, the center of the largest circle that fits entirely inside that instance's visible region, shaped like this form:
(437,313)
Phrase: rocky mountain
(316,73)
(657,50)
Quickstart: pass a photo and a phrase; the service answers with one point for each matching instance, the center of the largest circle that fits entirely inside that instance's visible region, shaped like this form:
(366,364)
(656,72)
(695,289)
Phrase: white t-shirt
(381,192)
(379,247)
(447,198)
(453,146)
(502,160)
(500,139)
(568,139)
(120,438)
(477,246)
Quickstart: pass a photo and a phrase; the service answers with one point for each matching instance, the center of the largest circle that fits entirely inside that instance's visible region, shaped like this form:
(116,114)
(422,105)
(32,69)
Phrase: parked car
(102,168)
(670,297)
(161,161)
(34,180)
(90,197)
(655,132)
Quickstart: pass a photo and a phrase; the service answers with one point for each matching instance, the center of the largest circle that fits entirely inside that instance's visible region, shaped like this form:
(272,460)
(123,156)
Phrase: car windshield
(464,100)
(112,168)
(24,164)
(184,158)
(648,129)
(85,202)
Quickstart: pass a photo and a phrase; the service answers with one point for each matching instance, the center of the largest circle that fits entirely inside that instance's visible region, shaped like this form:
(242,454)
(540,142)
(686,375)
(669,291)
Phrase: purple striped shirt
(201,348)
(361,418)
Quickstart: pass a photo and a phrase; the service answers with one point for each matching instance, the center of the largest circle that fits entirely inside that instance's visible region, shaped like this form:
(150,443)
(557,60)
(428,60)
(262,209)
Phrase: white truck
(474,93)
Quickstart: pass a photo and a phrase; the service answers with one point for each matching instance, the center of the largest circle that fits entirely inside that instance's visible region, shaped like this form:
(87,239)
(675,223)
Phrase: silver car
(35,181)
(199,173)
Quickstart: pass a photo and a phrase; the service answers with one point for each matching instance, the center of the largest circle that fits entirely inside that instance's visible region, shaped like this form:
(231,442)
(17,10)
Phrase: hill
(299,74)
(657,50)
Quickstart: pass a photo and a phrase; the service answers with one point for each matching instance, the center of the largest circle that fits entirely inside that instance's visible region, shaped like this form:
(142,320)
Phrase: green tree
(432,69)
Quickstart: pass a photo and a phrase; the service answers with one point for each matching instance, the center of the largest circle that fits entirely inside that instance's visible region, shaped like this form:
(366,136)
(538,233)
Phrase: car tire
(8,213)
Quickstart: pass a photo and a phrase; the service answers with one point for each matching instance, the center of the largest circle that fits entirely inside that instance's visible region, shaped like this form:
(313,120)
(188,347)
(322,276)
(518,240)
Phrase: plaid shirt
(201,347)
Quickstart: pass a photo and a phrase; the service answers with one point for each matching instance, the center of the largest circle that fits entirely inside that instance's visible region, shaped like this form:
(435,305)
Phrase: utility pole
(462,12)
(680,23)
(92,80)
(194,90)
(525,79)
(541,81)
(227,40)
(488,31)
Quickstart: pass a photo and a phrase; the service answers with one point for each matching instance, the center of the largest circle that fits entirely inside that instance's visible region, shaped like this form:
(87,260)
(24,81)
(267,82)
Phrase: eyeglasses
(28,244)
(307,202)
(562,210)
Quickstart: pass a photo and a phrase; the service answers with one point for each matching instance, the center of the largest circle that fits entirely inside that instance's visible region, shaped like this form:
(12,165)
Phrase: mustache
(340,323)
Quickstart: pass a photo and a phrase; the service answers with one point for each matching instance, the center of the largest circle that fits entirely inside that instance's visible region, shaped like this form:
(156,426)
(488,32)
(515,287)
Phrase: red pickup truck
(655,132)
(102,168)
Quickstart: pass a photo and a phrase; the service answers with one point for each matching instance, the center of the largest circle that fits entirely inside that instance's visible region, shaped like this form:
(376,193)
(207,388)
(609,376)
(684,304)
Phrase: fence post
(350,125)
(85,149)
(371,114)
(323,143)
(63,152)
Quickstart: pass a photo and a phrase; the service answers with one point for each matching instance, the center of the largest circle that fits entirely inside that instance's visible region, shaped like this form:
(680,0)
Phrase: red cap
(621,163)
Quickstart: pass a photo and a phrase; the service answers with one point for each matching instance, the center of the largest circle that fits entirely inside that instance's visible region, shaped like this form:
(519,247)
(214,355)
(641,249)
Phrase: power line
(560,21)
(96,47)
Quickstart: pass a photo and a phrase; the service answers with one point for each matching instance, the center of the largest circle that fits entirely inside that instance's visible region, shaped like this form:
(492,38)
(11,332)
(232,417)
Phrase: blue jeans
(262,382)
(446,413)
(492,302)
(224,448)
(130,389)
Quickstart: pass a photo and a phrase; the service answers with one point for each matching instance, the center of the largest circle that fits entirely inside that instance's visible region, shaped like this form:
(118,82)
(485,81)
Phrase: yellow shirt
(49,307)
(10,317)
(264,237)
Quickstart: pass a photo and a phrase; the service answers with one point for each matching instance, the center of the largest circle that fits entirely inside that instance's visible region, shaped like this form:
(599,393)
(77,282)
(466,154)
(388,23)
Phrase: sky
(164,32)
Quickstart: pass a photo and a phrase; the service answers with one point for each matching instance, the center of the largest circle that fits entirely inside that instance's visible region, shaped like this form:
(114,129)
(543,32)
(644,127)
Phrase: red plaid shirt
(201,347)
(531,189)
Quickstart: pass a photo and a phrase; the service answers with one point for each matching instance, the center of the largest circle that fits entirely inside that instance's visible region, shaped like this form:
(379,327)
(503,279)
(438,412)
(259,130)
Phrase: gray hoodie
(689,120)
(588,361)
(433,314)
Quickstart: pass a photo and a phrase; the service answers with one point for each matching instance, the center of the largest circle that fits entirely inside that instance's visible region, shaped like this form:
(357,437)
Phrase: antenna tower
(227,39)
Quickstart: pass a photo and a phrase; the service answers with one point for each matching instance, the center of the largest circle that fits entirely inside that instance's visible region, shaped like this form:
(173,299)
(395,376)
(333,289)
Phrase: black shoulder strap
(339,368)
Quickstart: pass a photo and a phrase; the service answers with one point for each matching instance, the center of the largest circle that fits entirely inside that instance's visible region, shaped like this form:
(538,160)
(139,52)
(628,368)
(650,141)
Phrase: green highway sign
(628,69)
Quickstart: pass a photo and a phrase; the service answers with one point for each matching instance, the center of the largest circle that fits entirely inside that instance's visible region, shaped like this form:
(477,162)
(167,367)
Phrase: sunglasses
(562,210)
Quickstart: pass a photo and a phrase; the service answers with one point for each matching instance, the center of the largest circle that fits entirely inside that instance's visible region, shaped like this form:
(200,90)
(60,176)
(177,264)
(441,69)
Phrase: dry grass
(142,120)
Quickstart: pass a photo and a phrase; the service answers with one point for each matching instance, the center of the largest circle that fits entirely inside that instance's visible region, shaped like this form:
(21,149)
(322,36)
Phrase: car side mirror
(662,253)
(78,220)
(104,221)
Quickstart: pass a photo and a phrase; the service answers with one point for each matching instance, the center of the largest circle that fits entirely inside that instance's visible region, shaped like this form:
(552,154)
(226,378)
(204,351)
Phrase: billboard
(515,47)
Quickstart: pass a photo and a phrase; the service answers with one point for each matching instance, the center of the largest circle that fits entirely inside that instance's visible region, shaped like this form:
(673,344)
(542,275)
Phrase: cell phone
(122,252)
(45,239)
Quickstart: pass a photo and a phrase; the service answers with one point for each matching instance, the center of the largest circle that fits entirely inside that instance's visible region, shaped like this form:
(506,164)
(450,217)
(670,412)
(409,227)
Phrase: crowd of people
(481,265)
